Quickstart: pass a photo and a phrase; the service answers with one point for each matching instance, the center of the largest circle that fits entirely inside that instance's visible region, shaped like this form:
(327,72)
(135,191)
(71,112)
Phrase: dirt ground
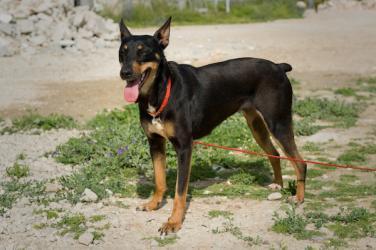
(327,50)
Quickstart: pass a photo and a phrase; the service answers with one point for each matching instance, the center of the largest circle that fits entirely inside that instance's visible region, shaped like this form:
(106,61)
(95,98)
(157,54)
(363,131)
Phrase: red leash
(282,157)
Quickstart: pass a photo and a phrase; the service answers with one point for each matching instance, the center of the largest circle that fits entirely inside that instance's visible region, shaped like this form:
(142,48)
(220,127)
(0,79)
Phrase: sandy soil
(327,50)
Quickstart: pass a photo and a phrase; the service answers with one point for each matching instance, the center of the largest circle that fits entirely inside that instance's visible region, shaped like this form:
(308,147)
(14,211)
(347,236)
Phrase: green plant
(345,91)
(306,127)
(220,213)
(36,121)
(18,171)
(246,11)
(72,223)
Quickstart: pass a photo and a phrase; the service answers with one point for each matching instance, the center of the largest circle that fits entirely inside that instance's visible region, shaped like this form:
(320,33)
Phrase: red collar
(165,100)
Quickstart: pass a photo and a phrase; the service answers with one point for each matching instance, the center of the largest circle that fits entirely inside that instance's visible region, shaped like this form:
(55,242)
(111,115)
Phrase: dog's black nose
(125,73)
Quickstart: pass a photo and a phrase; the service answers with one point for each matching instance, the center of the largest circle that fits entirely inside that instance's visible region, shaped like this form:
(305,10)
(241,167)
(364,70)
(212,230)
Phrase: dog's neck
(155,96)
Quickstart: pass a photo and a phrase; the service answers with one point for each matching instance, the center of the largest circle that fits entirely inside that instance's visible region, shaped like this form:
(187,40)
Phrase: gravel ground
(329,48)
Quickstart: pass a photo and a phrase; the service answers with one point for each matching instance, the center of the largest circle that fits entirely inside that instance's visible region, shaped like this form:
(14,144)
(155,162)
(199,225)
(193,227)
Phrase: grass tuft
(18,171)
(36,121)
(342,114)
(246,11)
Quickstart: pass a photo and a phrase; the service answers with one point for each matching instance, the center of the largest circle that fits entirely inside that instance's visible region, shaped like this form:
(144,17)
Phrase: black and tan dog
(180,103)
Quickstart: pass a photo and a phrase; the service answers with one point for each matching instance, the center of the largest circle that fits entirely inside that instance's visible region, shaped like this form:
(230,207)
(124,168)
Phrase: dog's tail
(285,67)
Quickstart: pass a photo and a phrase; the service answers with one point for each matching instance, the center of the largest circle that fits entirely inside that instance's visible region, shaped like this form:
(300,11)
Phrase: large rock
(274,196)
(86,238)
(8,47)
(25,26)
(89,196)
(61,31)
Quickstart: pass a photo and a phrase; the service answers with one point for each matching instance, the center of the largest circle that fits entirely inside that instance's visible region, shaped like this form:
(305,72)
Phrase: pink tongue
(131,93)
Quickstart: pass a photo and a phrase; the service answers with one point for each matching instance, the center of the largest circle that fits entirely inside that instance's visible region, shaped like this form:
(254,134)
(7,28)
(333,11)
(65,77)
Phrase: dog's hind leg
(282,131)
(262,136)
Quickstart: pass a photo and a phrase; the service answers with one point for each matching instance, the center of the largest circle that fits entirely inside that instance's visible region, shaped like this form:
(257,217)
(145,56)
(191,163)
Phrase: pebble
(274,196)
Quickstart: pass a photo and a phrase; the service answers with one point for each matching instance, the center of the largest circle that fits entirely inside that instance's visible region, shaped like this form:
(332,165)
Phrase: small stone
(5,17)
(53,187)
(274,196)
(109,192)
(86,238)
(89,196)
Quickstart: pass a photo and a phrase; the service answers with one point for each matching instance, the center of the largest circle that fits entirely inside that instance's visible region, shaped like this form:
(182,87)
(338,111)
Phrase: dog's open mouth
(134,84)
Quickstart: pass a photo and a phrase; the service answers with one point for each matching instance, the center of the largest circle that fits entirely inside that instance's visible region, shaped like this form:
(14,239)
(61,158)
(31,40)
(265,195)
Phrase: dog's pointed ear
(124,32)
(163,34)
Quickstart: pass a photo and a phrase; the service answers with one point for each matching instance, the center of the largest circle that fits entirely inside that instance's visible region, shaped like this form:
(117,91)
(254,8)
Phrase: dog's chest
(162,128)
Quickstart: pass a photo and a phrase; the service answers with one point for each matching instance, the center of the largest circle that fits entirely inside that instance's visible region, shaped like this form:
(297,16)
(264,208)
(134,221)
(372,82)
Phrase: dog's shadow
(260,169)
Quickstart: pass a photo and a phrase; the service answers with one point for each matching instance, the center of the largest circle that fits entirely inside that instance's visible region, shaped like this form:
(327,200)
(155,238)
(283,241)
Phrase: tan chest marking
(164,129)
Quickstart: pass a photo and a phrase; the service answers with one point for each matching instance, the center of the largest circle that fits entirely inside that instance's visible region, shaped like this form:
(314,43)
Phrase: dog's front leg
(183,149)
(158,154)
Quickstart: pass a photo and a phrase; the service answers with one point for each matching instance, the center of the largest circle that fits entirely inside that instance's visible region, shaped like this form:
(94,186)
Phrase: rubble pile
(28,25)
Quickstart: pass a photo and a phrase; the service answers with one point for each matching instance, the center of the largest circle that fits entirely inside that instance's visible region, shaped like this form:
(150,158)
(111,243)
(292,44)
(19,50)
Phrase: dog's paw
(150,206)
(274,187)
(169,227)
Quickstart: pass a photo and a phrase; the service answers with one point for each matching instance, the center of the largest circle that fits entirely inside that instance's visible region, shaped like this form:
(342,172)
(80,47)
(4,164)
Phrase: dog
(181,103)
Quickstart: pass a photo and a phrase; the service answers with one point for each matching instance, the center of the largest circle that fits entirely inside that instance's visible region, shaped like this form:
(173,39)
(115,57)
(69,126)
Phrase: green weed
(247,11)
(116,154)
(357,153)
(39,226)
(165,241)
(96,218)
(293,224)
(18,171)
(311,147)
(72,223)
(15,189)
(367,84)
(220,213)
(342,114)
(306,127)
(345,91)
(36,121)
(229,227)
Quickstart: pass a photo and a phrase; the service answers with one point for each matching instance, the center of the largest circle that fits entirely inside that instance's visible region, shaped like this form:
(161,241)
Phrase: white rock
(86,238)
(66,43)
(5,17)
(274,196)
(84,33)
(25,26)
(301,5)
(109,192)
(89,196)
(53,187)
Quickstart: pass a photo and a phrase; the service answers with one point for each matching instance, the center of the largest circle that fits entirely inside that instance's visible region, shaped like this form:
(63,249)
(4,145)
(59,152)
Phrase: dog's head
(140,57)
